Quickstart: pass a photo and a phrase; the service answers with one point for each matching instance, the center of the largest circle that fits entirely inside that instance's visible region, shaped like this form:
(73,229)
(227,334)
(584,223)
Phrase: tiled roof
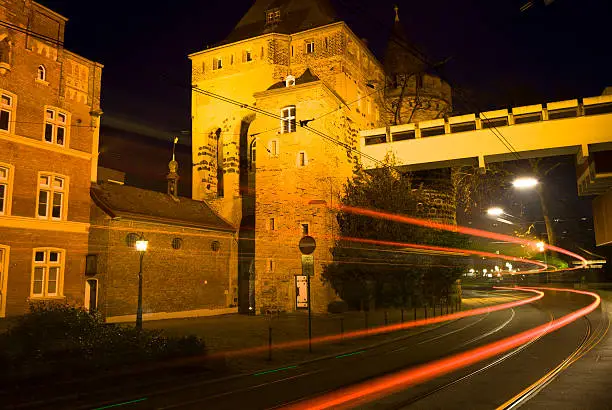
(306,77)
(296,16)
(141,204)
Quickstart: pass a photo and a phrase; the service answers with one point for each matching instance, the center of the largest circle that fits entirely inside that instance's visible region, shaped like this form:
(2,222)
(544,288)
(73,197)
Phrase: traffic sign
(307,245)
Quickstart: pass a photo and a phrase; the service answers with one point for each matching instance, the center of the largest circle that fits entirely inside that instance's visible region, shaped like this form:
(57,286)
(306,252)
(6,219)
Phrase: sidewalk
(234,332)
(586,384)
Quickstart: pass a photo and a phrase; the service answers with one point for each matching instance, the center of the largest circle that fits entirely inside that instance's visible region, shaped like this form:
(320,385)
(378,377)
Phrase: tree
(364,271)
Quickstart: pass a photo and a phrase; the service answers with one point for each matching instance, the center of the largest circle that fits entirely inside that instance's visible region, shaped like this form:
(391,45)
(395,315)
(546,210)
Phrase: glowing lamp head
(495,211)
(141,245)
(540,246)
(525,183)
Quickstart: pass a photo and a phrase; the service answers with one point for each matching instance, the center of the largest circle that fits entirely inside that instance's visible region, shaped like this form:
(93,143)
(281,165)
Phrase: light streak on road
(389,328)
(452,228)
(445,249)
(373,389)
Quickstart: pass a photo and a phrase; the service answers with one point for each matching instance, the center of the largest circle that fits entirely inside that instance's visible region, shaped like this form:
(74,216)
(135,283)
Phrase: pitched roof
(141,204)
(306,77)
(401,57)
(295,16)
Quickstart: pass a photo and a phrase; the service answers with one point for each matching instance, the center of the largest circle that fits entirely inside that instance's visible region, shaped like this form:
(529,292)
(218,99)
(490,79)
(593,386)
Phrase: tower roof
(400,56)
(293,16)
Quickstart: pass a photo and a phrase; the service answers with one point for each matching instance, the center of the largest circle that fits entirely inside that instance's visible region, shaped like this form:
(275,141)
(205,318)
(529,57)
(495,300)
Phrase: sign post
(307,246)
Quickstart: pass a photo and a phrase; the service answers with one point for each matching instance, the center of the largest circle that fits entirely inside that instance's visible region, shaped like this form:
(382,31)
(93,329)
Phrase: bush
(59,338)
(337,306)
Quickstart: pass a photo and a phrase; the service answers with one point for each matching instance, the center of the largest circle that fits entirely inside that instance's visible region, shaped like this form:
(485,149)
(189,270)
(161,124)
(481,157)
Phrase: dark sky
(499,56)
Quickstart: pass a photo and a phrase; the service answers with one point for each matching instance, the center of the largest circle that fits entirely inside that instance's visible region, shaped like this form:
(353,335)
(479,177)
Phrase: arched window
(41,73)
(5,51)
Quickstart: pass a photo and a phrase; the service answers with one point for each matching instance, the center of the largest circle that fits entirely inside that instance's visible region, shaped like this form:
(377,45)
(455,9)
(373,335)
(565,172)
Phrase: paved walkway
(585,385)
(233,332)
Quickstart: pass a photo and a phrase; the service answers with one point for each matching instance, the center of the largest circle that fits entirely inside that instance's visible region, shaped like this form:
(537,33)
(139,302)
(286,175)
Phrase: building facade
(190,252)
(276,111)
(49,122)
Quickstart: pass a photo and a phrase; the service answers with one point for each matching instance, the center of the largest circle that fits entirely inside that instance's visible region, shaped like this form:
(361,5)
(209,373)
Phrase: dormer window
(273,16)
(289,81)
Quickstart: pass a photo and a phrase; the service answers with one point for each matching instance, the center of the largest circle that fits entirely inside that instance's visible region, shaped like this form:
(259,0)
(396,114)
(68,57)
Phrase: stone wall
(174,280)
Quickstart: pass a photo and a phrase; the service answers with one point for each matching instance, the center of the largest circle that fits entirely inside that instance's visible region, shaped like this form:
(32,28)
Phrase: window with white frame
(47,273)
(302,159)
(274,148)
(52,192)
(310,47)
(55,126)
(41,73)
(7,108)
(288,121)
(5,189)
(305,228)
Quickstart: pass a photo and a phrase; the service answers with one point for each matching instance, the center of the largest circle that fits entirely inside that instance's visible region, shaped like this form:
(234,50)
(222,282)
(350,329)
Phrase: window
(273,16)
(51,196)
(248,56)
(272,224)
(47,273)
(215,246)
(6,112)
(288,122)
(91,265)
(5,189)
(232,59)
(274,149)
(270,265)
(41,74)
(305,228)
(130,240)
(217,63)
(55,126)
(302,159)
(5,51)
(177,243)
(310,47)
(327,43)
(291,51)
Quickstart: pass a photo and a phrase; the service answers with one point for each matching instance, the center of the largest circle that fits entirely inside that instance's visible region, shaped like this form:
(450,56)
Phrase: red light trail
(452,228)
(388,384)
(389,328)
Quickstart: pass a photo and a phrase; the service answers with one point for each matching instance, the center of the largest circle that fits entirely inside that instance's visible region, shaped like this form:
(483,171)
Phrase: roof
(295,16)
(401,57)
(141,204)
(306,77)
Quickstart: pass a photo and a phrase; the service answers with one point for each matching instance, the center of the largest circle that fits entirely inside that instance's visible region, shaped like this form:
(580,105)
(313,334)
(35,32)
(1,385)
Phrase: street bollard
(425,309)
(386,318)
(366,320)
(269,343)
(434,310)
(341,328)
(402,315)
(415,313)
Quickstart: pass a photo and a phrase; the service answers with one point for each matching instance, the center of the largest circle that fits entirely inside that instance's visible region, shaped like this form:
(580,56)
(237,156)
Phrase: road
(487,384)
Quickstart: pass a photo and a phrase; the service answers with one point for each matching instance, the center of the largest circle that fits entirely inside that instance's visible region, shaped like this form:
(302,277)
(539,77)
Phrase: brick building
(298,65)
(186,268)
(49,122)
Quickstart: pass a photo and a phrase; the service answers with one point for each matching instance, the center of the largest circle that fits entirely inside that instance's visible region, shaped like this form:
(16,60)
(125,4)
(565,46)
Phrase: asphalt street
(484,385)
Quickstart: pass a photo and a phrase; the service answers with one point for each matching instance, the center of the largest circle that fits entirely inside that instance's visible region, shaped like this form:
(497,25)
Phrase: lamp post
(542,248)
(141,247)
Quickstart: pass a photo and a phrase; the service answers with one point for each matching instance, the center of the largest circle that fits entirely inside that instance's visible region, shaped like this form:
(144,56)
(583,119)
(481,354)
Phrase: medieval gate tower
(275,170)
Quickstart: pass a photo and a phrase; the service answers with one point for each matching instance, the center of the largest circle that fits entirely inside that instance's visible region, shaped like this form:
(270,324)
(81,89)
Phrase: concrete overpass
(582,127)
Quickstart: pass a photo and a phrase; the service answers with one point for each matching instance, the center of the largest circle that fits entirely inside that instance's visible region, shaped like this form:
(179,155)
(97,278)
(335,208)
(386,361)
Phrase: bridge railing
(490,119)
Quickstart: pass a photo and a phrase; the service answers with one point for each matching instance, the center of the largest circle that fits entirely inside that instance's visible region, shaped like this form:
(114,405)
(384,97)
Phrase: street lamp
(525,183)
(542,248)
(141,247)
(495,211)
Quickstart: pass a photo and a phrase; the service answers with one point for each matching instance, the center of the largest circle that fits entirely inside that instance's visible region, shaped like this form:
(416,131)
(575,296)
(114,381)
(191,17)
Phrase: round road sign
(307,245)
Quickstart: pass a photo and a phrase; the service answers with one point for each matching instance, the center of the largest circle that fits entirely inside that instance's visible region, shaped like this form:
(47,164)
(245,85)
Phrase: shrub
(59,338)
(337,306)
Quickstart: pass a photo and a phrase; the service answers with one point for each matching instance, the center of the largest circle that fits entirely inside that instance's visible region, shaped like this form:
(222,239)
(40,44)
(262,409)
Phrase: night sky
(498,55)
